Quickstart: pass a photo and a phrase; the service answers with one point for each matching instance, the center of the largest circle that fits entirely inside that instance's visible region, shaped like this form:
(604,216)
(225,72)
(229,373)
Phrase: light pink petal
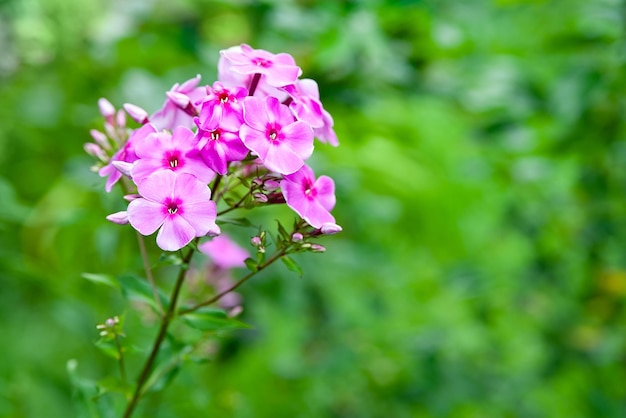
(282,75)
(308,87)
(184,137)
(282,159)
(325,188)
(188,85)
(158,186)
(201,216)
(175,234)
(299,137)
(146,216)
(316,215)
(254,113)
(254,140)
(191,190)
(143,168)
(197,167)
(273,106)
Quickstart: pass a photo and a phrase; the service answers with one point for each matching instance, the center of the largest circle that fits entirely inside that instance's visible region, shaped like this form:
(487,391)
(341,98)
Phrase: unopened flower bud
(120,118)
(95,151)
(297,237)
(270,185)
(136,113)
(110,322)
(100,138)
(316,248)
(120,218)
(260,197)
(123,167)
(181,100)
(106,109)
(256,241)
(110,130)
(330,228)
(131,197)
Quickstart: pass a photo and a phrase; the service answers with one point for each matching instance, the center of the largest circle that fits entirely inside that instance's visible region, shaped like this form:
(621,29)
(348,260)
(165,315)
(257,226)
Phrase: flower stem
(254,83)
(165,322)
(244,279)
(120,359)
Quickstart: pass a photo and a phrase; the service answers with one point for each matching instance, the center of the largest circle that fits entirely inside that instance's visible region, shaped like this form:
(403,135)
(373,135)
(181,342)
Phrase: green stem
(120,359)
(166,320)
(244,279)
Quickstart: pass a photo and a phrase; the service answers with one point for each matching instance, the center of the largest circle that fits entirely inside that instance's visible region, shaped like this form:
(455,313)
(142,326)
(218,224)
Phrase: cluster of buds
(111,328)
(257,122)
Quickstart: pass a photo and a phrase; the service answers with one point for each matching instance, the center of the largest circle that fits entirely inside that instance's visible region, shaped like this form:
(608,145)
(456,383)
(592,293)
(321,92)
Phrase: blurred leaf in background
(481,269)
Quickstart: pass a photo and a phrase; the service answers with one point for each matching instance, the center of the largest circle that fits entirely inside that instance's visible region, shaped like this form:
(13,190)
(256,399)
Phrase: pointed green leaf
(251,264)
(135,288)
(210,319)
(101,279)
(291,265)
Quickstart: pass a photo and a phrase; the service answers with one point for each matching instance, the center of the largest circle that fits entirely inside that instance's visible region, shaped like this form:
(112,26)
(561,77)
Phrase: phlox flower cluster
(258,120)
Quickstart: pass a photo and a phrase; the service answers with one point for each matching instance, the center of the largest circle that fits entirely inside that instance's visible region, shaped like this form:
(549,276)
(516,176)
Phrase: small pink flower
(279,69)
(125,154)
(176,152)
(310,198)
(171,115)
(179,204)
(271,132)
(222,106)
(224,252)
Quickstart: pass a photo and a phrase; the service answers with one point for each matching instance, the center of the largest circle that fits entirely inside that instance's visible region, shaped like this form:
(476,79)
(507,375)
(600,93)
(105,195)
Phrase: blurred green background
(480,184)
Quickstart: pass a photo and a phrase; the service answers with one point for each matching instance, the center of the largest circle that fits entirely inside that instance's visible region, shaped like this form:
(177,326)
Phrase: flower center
(215,135)
(260,62)
(174,162)
(223,96)
(172,208)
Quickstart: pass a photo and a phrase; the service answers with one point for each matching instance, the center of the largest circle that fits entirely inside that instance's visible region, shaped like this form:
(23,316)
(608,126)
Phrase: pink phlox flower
(218,146)
(125,154)
(222,106)
(177,151)
(270,131)
(278,69)
(305,102)
(178,205)
(171,115)
(224,252)
(310,198)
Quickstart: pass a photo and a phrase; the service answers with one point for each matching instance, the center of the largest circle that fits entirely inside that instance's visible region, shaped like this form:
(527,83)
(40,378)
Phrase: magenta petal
(146,216)
(175,234)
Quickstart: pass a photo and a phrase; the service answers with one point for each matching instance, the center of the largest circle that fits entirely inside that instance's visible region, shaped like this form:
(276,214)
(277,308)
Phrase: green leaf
(291,265)
(211,319)
(107,346)
(101,279)
(172,259)
(135,288)
(235,221)
(251,264)
(283,232)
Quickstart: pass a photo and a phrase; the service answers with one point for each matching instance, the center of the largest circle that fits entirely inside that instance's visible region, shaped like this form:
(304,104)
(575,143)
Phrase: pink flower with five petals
(270,131)
(310,198)
(179,205)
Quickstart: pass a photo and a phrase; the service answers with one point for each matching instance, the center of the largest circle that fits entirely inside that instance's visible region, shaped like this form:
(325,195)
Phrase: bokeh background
(480,184)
